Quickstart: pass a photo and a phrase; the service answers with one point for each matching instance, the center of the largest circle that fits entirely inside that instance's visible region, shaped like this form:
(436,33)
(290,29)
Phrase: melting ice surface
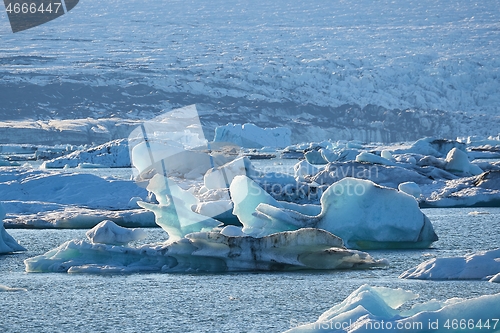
(374,309)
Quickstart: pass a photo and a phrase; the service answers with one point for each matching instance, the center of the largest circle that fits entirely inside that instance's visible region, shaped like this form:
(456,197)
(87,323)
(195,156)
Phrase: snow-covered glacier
(394,71)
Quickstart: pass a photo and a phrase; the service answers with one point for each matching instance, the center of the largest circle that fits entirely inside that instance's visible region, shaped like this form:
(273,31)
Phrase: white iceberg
(43,198)
(410,188)
(208,252)
(7,243)
(113,154)
(483,265)
(379,309)
(252,136)
(372,158)
(107,232)
(458,162)
(482,190)
(364,214)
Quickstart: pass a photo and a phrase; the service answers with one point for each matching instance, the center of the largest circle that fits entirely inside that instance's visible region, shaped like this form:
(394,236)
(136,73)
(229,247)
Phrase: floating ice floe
(482,190)
(252,136)
(7,243)
(484,265)
(378,309)
(364,214)
(42,198)
(208,252)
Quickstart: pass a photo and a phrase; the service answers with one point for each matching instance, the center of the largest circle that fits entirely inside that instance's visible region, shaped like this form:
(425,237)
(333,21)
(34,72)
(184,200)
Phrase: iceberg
(252,136)
(174,212)
(208,252)
(364,214)
(7,243)
(379,309)
(457,162)
(372,158)
(410,188)
(107,232)
(483,265)
(113,154)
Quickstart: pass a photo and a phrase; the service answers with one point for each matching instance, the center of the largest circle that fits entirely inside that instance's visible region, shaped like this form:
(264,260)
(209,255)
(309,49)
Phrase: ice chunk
(252,136)
(366,215)
(221,177)
(377,309)
(457,162)
(410,188)
(372,158)
(7,243)
(5,288)
(478,266)
(107,232)
(362,213)
(174,212)
(208,252)
(304,168)
(113,154)
(315,157)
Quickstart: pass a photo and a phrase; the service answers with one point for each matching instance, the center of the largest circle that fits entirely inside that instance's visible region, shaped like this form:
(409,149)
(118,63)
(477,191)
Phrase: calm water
(243,302)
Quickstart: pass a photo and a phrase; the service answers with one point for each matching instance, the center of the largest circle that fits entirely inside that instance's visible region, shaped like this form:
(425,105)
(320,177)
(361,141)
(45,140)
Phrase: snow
(483,265)
(252,136)
(384,218)
(370,309)
(7,243)
(207,252)
(107,232)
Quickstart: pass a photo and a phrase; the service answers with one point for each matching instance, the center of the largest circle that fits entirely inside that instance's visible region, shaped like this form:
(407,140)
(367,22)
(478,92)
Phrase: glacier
(252,136)
(374,309)
(394,72)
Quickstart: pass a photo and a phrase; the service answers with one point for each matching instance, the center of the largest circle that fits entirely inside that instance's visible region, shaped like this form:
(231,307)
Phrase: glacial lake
(233,302)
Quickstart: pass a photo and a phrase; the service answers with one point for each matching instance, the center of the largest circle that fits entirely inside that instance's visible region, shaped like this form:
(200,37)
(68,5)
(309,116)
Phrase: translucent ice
(174,212)
(362,213)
